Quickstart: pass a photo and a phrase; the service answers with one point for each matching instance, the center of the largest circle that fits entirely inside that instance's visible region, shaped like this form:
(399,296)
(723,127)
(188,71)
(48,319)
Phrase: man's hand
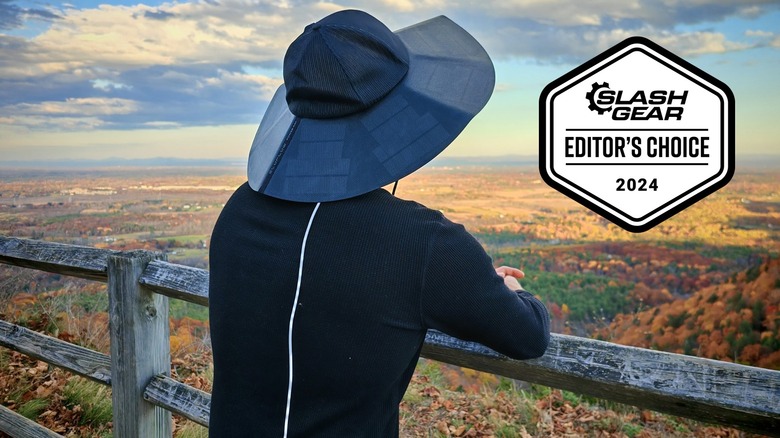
(510,276)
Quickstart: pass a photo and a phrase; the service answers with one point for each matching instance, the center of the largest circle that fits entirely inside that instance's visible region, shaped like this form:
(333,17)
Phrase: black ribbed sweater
(377,273)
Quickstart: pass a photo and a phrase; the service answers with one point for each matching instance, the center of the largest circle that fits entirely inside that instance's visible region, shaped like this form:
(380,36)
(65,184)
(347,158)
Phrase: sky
(191,79)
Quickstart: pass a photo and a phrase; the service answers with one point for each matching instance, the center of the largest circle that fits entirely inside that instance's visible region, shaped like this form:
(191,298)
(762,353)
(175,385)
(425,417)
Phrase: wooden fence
(144,394)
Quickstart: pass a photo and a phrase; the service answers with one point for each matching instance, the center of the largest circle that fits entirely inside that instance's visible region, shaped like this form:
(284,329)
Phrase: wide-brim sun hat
(362,107)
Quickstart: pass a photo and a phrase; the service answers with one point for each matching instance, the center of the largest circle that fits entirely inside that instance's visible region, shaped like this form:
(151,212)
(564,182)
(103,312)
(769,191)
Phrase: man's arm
(464,296)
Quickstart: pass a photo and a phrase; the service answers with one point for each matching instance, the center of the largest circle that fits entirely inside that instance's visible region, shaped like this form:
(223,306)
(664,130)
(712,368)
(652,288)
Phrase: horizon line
(480,160)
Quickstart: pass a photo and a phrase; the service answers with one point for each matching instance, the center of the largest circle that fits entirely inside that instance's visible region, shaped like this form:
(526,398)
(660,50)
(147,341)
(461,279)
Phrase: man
(323,285)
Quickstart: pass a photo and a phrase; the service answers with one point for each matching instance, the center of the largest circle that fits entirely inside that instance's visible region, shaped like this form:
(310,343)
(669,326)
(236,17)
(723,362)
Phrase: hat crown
(341,65)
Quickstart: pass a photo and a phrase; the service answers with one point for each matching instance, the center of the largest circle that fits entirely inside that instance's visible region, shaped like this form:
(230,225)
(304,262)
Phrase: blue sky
(102,79)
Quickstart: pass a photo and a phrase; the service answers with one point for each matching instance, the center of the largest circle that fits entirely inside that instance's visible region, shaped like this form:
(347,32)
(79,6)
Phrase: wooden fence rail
(144,394)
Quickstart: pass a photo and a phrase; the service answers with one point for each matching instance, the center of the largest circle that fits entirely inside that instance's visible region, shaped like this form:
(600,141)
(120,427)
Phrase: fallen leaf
(441,426)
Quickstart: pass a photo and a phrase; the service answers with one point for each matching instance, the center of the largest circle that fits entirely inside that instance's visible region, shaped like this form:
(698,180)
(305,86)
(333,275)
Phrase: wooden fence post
(140,347)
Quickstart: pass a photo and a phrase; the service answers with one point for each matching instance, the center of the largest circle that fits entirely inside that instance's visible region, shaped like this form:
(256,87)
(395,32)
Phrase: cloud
(74,106)
(410,5)
(217,62)
(45,123)
(758,33)
(12,16)
(656,13)
(158,15)
(108,85)
(69,114)
(577,44)
(764,38)
(196,95)
(563,31)
(698,43)
(502,87)
(181,65)
(231,31)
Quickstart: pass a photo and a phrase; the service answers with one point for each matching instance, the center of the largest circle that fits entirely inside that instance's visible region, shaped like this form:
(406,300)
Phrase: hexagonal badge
(636,134)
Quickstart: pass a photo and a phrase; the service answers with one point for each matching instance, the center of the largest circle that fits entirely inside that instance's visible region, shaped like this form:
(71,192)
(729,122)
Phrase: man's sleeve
(464,297)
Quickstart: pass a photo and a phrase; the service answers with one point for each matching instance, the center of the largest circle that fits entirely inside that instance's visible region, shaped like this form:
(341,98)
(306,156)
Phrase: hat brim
(450,79)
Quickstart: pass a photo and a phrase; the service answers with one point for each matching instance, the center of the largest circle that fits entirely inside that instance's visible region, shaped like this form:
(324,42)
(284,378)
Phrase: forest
(706,283)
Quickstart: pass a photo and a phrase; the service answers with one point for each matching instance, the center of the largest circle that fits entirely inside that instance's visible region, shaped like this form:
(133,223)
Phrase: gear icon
(591,96)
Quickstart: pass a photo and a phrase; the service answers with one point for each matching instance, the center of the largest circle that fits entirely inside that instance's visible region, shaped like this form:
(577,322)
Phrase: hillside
(591,274)
(737,321)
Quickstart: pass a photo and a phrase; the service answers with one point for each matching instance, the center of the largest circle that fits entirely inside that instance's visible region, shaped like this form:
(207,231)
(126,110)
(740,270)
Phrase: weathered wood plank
(140,348)
(702,389)
(76,261)
(83,361)
(20,427)
(179,398)
(177,281)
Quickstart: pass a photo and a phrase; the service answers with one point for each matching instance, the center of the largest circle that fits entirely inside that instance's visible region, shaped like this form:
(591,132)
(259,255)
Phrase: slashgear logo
(636,134)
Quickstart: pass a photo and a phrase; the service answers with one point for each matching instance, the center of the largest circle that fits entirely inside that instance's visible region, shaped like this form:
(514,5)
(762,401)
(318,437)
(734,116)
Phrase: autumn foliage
(737,321)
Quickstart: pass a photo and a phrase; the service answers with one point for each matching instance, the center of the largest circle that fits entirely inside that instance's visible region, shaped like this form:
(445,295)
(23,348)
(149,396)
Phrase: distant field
(571,256)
